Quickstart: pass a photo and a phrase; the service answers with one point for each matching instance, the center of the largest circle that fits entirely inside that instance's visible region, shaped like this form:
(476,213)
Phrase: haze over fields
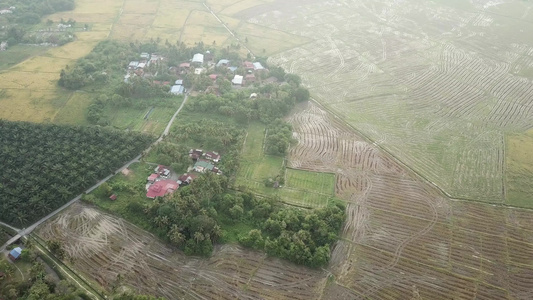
(424,113)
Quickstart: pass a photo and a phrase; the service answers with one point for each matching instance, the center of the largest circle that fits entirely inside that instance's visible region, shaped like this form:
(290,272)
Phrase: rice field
(437,87)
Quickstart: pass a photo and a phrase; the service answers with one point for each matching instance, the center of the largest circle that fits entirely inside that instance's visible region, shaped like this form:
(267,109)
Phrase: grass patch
(16,54)
(141,119)
(519,169)
(130,201)
(74,112)
(302,188)
(232,230)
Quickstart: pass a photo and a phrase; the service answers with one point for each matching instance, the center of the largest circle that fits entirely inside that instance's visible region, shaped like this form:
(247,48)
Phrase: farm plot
(401,237)
(302,188)
(104,246)
(436,86)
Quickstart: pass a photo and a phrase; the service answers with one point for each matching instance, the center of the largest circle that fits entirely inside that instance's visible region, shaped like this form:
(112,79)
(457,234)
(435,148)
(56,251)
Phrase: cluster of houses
(199,64)
(137,67)
(161,183)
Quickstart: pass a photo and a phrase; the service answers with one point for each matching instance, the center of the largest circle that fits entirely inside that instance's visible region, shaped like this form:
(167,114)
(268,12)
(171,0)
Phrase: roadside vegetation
(46,165)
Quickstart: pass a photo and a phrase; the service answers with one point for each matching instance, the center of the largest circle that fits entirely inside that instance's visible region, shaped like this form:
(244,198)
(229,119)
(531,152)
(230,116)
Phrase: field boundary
(59,266)
(441,191)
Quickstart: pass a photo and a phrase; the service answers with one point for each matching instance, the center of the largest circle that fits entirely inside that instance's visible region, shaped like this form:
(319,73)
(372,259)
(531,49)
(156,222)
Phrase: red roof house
(248,65)
(162,188)
(153,177)
(249,78)
(213,76)
(185,65)
(113,197)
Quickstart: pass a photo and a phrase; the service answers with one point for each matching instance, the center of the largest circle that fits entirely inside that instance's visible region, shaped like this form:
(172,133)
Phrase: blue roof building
(15,253)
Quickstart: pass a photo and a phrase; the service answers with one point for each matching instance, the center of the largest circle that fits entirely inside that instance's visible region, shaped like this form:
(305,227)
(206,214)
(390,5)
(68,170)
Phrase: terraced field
(438,84)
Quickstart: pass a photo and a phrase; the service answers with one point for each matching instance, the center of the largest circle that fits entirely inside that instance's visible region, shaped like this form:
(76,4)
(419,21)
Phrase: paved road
(24,231)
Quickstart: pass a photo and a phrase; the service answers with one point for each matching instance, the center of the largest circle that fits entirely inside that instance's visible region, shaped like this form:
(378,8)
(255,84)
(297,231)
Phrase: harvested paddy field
(401,240)
(105,246)
(437,84)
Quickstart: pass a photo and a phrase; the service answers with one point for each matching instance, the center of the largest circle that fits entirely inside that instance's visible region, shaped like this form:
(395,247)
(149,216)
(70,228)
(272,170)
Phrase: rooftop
(198,58)
(237,80)
(161,188)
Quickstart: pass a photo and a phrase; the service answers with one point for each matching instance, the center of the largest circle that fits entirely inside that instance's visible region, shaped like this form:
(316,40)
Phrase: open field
(402,238)
(519,162)
(437,85)
(104,246)
(14,55)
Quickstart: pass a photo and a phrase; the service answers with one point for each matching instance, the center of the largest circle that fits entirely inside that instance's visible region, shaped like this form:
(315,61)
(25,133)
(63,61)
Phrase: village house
(155,59)
(248,65)
(161,188)
(202,166)
(213,156)
(258,66)
(237,80)
(177,90)
(249,78)
(15,253)
(162,170)
(186,179)
(199,71)
(133,65)
(152,178)
(195,153)
(223,63)
(198,58)
(145,56)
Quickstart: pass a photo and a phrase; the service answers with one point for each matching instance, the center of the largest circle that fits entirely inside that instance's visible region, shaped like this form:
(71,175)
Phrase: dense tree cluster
(45,165)
(209,135)
(188,216)
(278,137)
(39,286)
(106,62)
(31,11)
(301,236)
(190,220)
(273,102)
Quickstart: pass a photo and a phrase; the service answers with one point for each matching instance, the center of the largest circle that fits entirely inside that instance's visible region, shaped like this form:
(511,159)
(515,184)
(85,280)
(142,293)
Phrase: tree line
(190,219)
(45,165)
